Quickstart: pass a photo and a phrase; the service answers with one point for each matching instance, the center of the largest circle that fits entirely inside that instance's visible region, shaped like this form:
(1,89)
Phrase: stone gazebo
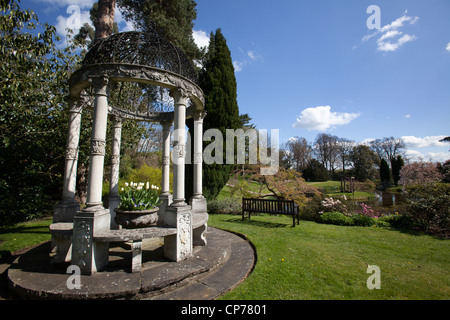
(83,236)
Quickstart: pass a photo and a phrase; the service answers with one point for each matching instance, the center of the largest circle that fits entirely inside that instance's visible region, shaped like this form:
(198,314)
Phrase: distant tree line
(330,157)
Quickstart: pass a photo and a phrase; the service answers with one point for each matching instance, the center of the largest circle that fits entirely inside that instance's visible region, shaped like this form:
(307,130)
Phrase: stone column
(198,161)
(66,209)
(165,183)
(114,199)
(198,201)
(178,214)
(179,147)
(166,197)
(91,256)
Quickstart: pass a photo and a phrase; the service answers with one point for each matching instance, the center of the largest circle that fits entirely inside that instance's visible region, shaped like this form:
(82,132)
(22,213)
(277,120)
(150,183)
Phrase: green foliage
(139,196)
(336,218)
(147,174)
(385,173)
(33,126)
(363,159)
(312,211)
(218,83)
(428,207)
(225,206)
(397,165)
(363,220)
(173,20)
(400,221)
(315,171)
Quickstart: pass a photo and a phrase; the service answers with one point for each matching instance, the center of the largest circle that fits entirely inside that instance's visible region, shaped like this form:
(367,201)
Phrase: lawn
(319,261)
(23,235)
(333,188)
(314,261)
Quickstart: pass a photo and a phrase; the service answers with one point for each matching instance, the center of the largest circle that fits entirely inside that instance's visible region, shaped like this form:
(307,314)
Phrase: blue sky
(306,67)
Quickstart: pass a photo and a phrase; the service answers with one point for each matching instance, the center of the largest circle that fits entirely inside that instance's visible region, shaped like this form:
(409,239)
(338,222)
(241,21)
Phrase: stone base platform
(212,271)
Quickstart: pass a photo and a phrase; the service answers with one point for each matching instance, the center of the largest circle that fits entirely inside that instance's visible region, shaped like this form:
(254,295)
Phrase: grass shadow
(258,223)
(25,229)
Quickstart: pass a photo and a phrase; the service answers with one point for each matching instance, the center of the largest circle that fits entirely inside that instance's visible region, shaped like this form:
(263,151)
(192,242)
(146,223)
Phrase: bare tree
(299,153)
(377,147)
(326,150)
(345,147)
(393,147)
(388,148)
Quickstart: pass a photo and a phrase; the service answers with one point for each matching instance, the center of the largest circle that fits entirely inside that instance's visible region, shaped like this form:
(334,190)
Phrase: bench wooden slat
(287,207)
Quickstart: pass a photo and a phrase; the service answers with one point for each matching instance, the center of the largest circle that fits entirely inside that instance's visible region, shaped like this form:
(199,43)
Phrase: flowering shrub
(331,205)
(420,173)
(368,211)
(134,197)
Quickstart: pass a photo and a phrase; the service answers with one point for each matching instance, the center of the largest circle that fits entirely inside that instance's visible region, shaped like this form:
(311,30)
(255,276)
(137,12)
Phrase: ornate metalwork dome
(141,48)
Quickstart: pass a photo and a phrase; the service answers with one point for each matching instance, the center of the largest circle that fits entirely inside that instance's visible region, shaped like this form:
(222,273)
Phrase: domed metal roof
(141,48)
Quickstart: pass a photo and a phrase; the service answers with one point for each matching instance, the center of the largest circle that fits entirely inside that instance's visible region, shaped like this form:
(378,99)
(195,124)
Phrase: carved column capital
(199,115)
(100,84)
(167,124)
(180,96)
(117,121)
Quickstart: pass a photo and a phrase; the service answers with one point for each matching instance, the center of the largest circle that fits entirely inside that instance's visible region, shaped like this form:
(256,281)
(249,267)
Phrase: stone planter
(136,219)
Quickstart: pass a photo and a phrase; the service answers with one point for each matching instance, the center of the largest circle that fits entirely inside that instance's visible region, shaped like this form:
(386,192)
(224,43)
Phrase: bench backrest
(269,206)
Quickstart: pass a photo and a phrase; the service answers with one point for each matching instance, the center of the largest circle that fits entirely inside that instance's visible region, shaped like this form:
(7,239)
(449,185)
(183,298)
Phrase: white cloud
(448,47)
(414,156)
(390,37)
(321,118)
(73,21)
(254,56)
(238,66)
(201,39)
(76,18)
(123,24)
(407,116)
(425,142)
(83,4)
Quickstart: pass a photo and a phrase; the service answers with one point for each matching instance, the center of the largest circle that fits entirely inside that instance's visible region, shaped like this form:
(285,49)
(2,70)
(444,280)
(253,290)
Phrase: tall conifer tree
(218,82)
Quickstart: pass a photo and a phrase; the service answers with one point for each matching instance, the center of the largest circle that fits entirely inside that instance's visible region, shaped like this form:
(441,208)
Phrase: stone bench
(61,242)
(64,231)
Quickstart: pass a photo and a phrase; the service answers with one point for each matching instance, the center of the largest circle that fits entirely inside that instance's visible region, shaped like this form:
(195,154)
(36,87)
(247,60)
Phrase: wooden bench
(286,207)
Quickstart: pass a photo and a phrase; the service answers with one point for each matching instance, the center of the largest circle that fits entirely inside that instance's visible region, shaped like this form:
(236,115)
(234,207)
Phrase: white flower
(126,184)
(122,189)
(148,185)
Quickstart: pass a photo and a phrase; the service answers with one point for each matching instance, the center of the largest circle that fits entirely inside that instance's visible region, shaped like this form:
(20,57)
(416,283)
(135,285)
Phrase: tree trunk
(105,19)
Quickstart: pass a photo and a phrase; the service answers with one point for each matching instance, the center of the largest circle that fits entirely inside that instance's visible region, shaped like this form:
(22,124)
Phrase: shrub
(335,218)
(366,186)
(225,206)
(397,220)
(363,220)
(428,207)
(312,210)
